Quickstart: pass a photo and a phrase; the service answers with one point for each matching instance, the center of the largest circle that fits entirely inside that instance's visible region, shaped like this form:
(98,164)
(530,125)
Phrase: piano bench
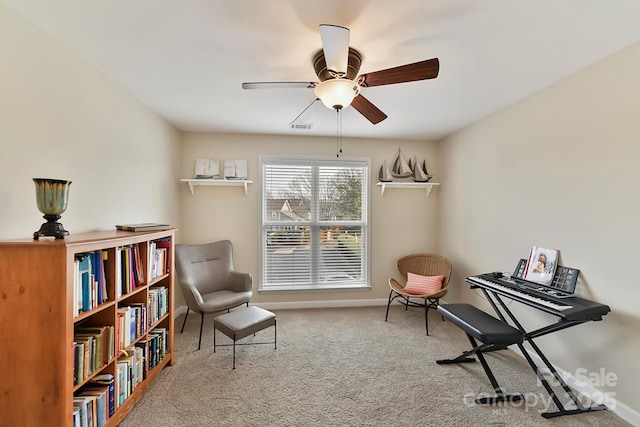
(493,333)
(480,325)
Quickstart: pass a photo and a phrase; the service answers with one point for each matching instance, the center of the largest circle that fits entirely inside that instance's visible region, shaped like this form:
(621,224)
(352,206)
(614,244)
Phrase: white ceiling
(186,59)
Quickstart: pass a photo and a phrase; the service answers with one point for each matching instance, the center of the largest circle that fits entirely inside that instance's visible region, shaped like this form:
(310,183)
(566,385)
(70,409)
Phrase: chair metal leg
(388,304)
(201,322)
(426,316)
(234,352)
(185,320)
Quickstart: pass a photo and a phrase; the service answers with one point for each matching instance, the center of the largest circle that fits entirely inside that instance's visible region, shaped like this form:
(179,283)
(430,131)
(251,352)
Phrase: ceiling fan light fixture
(337,93)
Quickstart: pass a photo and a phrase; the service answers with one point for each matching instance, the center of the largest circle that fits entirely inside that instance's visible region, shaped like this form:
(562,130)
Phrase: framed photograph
(235,169)
(207,169)
(541,265)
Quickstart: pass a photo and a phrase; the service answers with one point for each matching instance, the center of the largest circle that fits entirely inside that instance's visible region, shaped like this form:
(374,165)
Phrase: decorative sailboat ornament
(413,162)
(385,174)
(400,168)
(420,173)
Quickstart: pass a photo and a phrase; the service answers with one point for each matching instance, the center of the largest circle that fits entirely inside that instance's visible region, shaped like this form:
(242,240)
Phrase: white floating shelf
(426,185)
(193,183)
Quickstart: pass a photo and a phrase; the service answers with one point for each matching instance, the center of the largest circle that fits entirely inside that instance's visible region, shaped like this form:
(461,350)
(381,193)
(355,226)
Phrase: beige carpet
(342,367)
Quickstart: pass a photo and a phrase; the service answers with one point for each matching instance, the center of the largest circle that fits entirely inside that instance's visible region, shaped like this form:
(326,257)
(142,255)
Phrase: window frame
(364,223)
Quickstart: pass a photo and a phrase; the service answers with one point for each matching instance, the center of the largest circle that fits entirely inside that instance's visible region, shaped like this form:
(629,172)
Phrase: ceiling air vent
(300,125)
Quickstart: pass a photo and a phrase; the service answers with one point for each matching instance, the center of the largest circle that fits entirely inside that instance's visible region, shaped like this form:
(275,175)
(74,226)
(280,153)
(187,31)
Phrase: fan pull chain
(340,124)
(338,132)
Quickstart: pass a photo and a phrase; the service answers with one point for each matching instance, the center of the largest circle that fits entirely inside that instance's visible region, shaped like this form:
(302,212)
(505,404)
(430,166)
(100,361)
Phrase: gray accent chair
(208,281)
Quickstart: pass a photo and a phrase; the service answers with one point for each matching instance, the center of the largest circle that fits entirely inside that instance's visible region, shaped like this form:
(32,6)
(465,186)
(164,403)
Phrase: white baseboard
(180,310)
(308,304)
(323,304)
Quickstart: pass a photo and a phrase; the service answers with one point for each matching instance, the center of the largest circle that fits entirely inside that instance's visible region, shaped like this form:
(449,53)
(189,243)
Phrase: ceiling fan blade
(368,110)
(422,70)
(278,85)
(335,44)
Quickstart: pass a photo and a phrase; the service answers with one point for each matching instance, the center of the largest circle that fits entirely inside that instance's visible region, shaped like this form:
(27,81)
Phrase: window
(314,223)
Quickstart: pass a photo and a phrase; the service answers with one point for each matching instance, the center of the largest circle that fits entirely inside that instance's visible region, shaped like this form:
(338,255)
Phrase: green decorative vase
(51,197)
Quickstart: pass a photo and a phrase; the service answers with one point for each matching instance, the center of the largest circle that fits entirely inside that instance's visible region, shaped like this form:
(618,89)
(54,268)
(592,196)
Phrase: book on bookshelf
(89,281)
(121,389)
(100,397)
(541,265)
(78,362)
(104,336)
(84,345)
(83,416)
(106,380)
(158,262)
(143,226)
(77,420)
(88,409)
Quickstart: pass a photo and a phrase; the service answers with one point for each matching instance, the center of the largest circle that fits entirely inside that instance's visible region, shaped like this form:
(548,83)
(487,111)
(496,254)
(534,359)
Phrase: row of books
(131,323)
(157,347)
(129,274)
(158,303)
(96,402)
(89,281)
(93,348)
(131,370)
(90,273)
(136,361)
(159,261)
(134,318)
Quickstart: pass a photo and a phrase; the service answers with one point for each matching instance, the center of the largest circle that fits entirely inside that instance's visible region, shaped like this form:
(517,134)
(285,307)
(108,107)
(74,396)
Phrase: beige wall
(403,221)
(61,119)
(559,170)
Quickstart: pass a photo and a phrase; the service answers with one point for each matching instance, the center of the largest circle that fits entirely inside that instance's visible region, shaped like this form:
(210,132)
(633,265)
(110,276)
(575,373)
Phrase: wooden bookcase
(37,322)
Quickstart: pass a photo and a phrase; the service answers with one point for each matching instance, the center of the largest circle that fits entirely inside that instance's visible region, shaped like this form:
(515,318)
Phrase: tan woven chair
(424,265)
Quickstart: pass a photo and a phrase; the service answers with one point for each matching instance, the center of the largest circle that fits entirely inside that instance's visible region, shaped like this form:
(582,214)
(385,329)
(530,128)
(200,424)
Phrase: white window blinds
(314,223)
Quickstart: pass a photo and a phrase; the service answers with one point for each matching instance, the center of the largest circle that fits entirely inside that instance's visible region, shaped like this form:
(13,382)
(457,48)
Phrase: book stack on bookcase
(96,306)
(89,280)
(158,258)
(128,275)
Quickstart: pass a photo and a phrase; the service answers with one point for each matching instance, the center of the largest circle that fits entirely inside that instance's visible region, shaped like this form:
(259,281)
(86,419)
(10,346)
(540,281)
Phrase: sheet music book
(145,226)
(541,265)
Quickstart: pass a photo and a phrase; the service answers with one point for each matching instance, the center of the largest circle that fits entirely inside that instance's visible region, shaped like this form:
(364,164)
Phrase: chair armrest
(394,284)
(191,293)
(240,282)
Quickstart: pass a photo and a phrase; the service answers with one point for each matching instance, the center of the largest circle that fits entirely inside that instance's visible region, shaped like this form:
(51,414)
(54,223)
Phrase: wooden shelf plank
(426,185)
(193,183)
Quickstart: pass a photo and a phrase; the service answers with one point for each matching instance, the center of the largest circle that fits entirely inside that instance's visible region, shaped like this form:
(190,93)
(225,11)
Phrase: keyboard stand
(501,309)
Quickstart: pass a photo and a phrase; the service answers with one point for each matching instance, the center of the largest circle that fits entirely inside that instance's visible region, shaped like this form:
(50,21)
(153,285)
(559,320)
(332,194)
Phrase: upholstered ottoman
(241,323)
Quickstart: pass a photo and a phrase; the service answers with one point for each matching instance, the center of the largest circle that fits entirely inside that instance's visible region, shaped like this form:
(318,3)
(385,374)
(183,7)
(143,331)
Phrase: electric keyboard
(564,306)
(511,287)
(557,299)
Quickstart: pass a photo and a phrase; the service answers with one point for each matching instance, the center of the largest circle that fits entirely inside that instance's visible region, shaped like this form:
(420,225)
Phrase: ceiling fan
(337,66)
